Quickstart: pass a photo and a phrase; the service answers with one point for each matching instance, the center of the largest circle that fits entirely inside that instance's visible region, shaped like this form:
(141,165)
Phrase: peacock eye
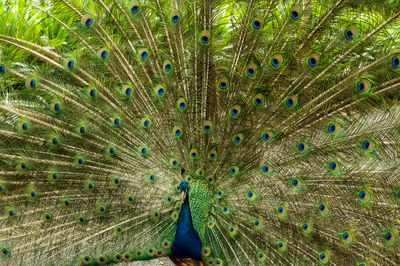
(175,18)
(89,22)
(349,35)
(70,64)
(395,62)
(294,14)
(135,9)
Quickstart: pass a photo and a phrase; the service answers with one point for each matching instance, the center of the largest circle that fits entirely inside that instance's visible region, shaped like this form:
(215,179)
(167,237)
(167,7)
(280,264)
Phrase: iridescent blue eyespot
(92,92)
(332,166)
(32,84)
(116,121)
(204,39)
(345,236)
(258,101)
(265,169)
(70,64)
(89,22)
(251,72)
(275,62)
(160,91)
(395,62)
(135,9)
(167,67)
(312,61)
(250,194)
(103,54)
(280,210)
(301,147)
(294,14)
(365,145)
(256,24)
(175,19)
(234,111)
(289,102)
(322,256)
(305,226)
(331,127)
(295,182)
(128,91)
(322,207)
(388,236)
(223,85)
(24,126)
(2,69)
(349,34)
(362,194)
(144,54)
(360,86)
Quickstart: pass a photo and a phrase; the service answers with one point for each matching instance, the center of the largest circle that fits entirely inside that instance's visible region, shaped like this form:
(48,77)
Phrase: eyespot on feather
(87,21)
(235,111)
(3,68)
(103,53)
(295,13)
(257,23)
(276,61)
(350,33)
(258,100)
(312,60)
(175,17)
(222,84)
(31,83)
(134,8)
(212,155)
(143,53)
(291,102)
(251,70)
(69,63)
(207,127)
(395,62)
(167,66)
(205,38)
(362,87)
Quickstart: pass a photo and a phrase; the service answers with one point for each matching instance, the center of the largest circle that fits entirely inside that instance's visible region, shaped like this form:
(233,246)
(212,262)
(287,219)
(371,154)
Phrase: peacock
(227,132)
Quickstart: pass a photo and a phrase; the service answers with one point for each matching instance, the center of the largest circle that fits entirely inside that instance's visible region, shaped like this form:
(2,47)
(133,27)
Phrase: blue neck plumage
(187,243)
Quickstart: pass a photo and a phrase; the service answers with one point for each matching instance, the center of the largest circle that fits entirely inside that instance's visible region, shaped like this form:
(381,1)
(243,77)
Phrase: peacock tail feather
(278,119)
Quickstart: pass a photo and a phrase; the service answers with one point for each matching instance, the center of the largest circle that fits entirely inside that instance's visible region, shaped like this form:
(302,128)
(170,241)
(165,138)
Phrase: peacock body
(232,132)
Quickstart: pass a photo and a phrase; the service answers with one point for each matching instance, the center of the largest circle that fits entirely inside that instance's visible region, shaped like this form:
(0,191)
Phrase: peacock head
(184,188)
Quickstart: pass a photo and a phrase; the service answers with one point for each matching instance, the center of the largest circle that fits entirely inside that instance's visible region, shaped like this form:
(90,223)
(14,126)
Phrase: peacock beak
(183,194)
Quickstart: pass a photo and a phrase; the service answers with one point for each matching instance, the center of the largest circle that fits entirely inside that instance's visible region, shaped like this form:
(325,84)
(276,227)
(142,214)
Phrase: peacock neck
(187,243)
